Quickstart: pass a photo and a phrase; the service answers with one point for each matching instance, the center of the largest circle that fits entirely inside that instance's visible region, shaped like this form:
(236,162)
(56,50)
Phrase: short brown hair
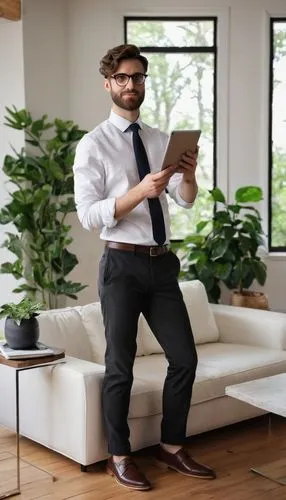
(110,62)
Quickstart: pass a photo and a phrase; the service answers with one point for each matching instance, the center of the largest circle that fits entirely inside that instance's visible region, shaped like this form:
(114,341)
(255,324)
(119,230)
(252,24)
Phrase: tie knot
(134,127)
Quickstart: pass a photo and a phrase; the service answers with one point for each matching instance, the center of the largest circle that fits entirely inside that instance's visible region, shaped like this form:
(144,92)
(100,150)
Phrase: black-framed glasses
(122,78)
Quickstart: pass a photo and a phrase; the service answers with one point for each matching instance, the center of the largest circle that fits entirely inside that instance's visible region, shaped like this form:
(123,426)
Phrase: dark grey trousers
(130,283)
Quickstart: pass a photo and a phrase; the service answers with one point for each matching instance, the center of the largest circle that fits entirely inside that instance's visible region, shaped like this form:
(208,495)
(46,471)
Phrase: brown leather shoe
(183,463)
(127,474)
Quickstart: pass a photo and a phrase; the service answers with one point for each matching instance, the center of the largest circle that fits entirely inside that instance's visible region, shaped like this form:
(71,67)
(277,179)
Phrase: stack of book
(40,350)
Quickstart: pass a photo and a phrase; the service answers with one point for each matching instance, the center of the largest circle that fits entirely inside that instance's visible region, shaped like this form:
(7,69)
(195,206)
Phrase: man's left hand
(187,165)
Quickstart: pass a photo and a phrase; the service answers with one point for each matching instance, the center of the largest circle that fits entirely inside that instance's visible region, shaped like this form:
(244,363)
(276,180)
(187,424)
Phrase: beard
(131,104)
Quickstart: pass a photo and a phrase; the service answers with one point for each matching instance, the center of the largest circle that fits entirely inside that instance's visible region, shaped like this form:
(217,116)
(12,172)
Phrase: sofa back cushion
(93,323)
(63,328)
(80,330)
(201,316)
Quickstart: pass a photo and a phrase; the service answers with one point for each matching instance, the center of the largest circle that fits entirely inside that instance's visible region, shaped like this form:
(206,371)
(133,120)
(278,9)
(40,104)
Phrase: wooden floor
(232,451)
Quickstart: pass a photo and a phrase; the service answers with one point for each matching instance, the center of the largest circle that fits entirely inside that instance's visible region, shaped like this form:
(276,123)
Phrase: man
(137,272)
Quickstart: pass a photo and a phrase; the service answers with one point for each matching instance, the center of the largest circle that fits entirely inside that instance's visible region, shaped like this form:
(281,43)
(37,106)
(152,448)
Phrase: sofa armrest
(241,325)
(66,400)
(77,410)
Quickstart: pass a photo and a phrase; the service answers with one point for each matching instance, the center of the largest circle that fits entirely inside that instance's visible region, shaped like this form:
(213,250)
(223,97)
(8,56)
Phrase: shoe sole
(163,465)
(137,488)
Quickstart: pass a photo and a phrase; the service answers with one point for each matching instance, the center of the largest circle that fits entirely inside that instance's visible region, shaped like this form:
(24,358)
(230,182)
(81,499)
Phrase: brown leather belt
(129,247)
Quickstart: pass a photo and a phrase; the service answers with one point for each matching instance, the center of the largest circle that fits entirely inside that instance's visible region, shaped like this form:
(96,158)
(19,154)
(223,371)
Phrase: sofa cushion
(63,328)
(93,323)
(219,365)
(222,364)
(201,315)
(150,343)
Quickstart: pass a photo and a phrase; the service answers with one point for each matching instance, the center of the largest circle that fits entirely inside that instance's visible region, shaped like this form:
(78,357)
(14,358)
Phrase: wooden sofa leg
(83,468)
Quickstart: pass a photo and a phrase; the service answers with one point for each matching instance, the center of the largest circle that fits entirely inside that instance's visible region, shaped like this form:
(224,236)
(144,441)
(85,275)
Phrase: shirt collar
(121,122)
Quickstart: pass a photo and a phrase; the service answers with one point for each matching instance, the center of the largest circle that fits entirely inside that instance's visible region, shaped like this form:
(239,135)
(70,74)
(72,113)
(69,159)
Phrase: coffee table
(268,393)
(20,365)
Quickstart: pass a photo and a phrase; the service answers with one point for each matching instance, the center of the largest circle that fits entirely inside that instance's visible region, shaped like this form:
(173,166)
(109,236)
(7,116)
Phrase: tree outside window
(181,94)
(277,136)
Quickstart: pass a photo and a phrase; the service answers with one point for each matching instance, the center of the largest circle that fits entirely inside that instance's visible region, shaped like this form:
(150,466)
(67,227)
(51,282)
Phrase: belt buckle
(153,251)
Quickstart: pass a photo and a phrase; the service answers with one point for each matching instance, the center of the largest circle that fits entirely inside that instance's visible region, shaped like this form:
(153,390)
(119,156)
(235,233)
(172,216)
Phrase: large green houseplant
(225,248)
(39,204)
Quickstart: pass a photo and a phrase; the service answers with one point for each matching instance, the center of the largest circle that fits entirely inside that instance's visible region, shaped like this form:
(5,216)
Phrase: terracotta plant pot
(254,300)
(23,336)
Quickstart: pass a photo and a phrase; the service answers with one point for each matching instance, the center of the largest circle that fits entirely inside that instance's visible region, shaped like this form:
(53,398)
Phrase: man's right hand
(153,184)
(150,187)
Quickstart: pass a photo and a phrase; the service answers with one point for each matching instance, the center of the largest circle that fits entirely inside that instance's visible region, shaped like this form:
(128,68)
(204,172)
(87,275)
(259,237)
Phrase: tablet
(179,142)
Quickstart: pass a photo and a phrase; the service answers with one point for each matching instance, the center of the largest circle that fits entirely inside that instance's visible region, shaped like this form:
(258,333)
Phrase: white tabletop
(268,393)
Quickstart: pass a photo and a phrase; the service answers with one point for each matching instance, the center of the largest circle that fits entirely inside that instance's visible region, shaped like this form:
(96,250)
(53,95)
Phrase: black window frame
(191,49)
(273,21)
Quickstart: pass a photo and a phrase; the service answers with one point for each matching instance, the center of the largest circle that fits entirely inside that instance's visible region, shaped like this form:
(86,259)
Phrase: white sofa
(60,407)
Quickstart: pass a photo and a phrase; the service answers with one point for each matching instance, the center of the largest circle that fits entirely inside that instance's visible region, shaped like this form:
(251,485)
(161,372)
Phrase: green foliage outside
(177,97)
(278,192)
(39,204)
(279,199)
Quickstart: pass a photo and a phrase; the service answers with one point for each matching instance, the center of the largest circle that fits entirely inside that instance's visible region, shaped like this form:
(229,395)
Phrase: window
(181,94)
(277,136)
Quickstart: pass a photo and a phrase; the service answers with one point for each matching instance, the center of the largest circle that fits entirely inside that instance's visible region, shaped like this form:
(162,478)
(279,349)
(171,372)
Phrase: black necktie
(156,212)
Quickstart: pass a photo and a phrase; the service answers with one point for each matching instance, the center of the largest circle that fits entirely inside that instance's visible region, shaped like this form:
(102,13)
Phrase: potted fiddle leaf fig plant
(39,206)
(225,249)
(21,328)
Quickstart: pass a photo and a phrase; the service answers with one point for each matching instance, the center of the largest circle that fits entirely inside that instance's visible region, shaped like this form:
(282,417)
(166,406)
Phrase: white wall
(34,75)
(63,43)
(11,92)
(45,48)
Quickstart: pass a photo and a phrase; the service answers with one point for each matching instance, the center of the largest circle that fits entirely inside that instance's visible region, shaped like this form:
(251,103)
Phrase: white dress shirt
(105,169)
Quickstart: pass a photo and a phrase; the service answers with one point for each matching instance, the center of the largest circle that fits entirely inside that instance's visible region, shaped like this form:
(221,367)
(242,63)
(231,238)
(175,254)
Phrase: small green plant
(25,309)
(227,252)
(38,208)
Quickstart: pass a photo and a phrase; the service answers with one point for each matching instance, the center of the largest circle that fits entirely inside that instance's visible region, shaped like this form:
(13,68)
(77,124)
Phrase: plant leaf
(259,269)
(217,195)
(219,248)
(201,225)
(222,271)
(248,194)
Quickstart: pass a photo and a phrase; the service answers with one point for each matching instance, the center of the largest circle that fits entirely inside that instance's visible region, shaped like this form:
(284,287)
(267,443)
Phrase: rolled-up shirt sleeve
(93,209)
(174,191)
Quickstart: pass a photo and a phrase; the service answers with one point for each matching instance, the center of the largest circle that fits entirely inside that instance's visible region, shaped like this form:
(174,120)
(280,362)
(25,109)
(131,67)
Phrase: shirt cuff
(109,212)
(181,201)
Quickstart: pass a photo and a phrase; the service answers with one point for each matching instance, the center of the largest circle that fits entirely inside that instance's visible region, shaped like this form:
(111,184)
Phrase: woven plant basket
(10,9)
(254,300)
